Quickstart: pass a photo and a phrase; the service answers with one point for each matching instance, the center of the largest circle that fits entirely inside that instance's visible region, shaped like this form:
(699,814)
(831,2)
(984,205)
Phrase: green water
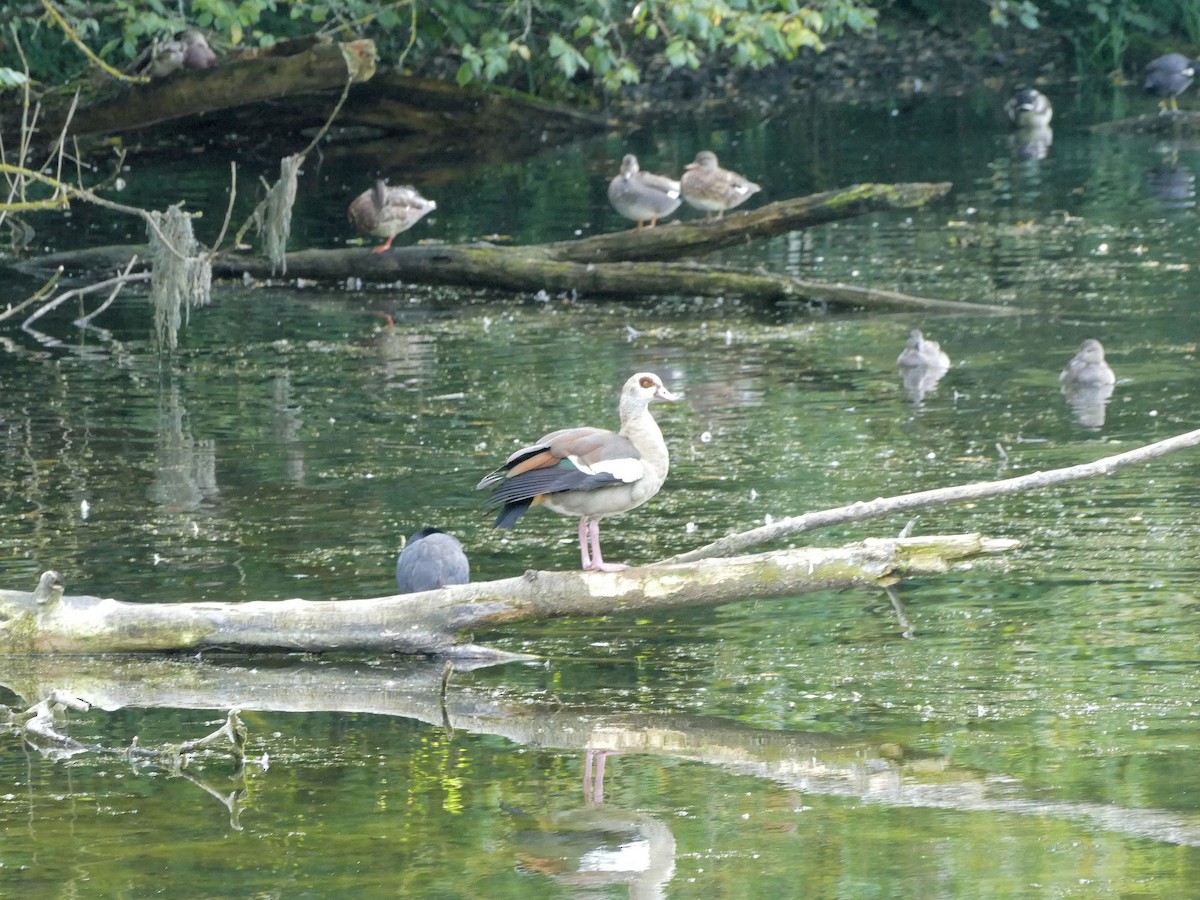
(1022,727)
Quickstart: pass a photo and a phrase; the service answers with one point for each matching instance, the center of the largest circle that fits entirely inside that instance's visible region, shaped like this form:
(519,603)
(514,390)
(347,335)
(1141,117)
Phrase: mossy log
(433,622)
(126,107)
(628,263)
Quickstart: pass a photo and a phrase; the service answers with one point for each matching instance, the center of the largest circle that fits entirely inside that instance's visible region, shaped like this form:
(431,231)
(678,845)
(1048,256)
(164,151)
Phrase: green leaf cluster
(550,46)
(581,46)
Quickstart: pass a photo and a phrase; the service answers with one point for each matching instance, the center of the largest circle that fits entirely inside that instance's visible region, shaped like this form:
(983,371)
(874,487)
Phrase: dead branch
(112,285)
(39,726)
(36,297)
(883,506)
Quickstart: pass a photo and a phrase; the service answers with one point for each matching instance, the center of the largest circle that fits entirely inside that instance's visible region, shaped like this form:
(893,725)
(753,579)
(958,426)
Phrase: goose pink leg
(585,560)
(598,564)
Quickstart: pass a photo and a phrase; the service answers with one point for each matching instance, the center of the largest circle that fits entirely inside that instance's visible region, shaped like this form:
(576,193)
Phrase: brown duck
(384,211)
(708,187)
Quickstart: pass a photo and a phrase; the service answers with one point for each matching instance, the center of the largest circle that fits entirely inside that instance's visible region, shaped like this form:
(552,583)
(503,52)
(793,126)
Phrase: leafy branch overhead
(563,46)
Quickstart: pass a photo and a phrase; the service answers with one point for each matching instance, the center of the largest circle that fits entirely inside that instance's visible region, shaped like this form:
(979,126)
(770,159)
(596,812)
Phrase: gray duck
(642,196)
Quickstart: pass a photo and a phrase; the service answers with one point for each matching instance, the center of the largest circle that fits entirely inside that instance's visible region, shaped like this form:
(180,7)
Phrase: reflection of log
(431,622)
(871,770)
(1179,124)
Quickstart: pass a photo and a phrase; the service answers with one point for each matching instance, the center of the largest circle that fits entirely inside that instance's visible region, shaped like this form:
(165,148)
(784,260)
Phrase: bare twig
(856,512)
(228,207)
(122,280)
(38,295)
(116,283)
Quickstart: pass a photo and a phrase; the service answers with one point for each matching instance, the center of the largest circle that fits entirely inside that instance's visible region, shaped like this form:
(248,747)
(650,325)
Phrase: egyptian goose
(708,187)
(639,195)
(923,353)
(385,211)
(1167,77)
(1029,108)
(589,472)
(1088,366)
(431,559)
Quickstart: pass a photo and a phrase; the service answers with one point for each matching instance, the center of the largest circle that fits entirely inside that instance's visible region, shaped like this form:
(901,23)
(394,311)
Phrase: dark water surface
(1023,727)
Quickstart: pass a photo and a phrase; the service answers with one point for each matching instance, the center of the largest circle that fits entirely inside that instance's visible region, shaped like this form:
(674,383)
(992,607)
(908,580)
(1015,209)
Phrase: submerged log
(432,622)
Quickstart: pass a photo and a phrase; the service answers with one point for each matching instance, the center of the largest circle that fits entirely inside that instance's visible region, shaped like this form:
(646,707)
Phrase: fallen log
(627,263)
(321,66)
(48,621)
(680,239)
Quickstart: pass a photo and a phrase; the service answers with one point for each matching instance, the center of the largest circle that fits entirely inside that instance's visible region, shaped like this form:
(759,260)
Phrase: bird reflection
(596,846)
(1087,383)
(1031,143)
(1030,113)
(922,364)
(1173,184)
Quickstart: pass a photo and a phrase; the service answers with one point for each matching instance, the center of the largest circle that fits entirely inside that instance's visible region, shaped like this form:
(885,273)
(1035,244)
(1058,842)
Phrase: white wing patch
(624,470)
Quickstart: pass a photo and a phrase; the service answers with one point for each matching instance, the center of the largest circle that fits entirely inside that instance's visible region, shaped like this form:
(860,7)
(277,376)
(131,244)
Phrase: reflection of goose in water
(596,845)
(1087,383)
(922,364)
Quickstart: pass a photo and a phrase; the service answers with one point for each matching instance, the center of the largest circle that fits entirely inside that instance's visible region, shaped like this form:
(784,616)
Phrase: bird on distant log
(708,187)
(642,196)
(1167,77)
(50,588)
(383,211)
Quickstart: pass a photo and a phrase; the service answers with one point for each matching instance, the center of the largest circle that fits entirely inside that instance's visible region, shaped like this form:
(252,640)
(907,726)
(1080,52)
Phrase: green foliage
(11,78)
(546,45)
(557,46)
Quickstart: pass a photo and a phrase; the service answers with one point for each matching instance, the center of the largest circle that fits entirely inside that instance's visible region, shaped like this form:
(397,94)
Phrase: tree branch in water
(883,506)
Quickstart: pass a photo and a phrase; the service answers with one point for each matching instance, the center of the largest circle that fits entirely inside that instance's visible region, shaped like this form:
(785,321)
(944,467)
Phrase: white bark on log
(431,622)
